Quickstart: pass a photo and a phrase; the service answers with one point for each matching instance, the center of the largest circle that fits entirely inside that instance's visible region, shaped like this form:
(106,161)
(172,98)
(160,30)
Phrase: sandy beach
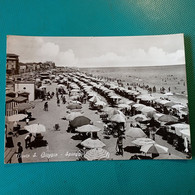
(61,145)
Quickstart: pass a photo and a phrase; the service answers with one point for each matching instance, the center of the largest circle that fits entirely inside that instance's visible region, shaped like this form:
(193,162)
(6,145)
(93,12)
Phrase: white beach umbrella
(168,94)
(178,106)
(92,143)
(139,117)
(118,118)
(135,132)
(147,109)
(138,106)
(73,115)
(123,106)
(142,141)
(17,117)
(35,128)
(100,103)
(88,128)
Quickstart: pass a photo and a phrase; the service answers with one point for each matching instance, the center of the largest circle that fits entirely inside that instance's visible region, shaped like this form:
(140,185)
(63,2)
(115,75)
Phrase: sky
(100,51)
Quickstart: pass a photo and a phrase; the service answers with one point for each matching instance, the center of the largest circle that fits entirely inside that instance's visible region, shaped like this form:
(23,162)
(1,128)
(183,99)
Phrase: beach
(158,76)
(63,145)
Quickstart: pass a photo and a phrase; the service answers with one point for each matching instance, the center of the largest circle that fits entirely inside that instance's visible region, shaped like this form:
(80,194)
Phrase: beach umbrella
(147,109)
(168,157)
(74,106)
(24,106)
(185,109)
(145,97)
(92,143)
(75,102)
(88,128)
(142,141)
(138,106)
(178,106)
(181,126)
(118,118)
(108,109)
(186,133)
(74,97)
(135,132)
(35,128)
(17,117)
(80,121)
(97,154)
(114,111)
(75,90)
(154,149)
(100,103)
(168,118)
(168,94)
(126,101)
(139,117)
(73,115)
(163,102)
(177,128)
(123,106)
(171,103)
(94,99)
(155,115)
(115,97)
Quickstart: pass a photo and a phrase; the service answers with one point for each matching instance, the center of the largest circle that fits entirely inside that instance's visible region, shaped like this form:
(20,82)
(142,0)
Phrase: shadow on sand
(78,137)
(132,149)
(37,144)
(22,132)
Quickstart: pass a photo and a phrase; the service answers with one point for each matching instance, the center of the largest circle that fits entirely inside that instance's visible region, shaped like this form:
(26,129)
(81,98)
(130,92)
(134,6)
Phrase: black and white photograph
(96,98)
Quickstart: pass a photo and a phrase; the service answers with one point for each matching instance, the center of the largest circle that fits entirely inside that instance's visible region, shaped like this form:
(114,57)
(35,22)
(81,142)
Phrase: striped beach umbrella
(143,141)
(97,154)
(154,149)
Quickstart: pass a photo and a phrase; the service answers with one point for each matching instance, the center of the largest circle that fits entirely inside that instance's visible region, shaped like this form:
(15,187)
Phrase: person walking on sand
(46,106)
(119,145)
(58,102)
(19,152)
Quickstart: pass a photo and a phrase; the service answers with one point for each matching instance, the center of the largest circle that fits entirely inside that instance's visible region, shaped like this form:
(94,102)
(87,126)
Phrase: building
(22,67)
(12,100)
(12,64)
(25,87)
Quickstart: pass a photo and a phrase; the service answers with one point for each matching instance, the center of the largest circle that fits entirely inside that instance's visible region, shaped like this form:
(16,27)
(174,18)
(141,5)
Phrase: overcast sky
(100,51)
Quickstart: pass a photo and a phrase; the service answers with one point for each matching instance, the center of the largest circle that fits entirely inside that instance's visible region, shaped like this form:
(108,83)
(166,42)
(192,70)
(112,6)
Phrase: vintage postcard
(96,98)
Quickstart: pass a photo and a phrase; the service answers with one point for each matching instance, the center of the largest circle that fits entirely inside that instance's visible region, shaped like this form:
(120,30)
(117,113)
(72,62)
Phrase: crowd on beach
(125,111)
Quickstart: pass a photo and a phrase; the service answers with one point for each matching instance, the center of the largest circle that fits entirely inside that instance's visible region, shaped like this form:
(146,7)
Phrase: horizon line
(119,66)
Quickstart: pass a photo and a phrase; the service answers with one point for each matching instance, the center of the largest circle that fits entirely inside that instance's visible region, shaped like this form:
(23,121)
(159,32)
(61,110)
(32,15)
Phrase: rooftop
(12,55)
